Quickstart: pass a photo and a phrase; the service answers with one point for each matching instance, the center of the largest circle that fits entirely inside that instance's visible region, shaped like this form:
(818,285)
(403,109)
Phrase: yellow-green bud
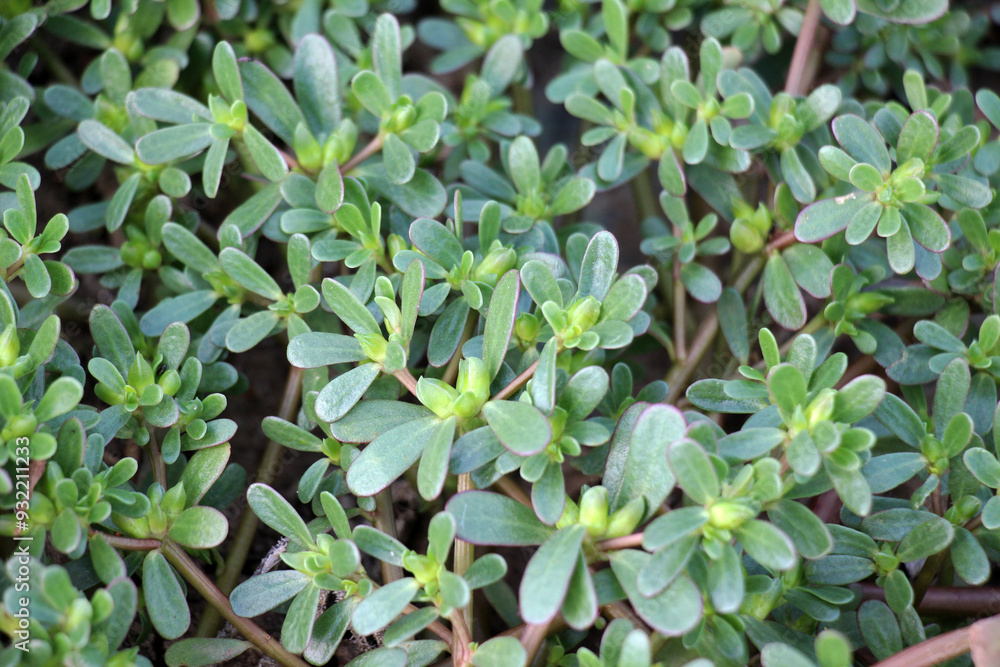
(594,510)
(744,237)
(373,345)
(821,407)
(729,514)
(19,426)
(649,144)
(396,244)
(497,262)
(131,527)
(474,381)
(258,41)
(570,515)
(527,327)
(436,395)
(624,521)
(10,345)
(584,313)
(401,118)
(307,149)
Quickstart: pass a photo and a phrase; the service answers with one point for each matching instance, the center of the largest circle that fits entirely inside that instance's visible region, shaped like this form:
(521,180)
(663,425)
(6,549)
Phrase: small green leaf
(278,513)
(500,321)
(492,519)
(519,426)
(382,607)
(547,577)
(165,603)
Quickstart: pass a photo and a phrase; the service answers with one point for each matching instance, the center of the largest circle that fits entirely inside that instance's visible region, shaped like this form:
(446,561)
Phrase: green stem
(194,575)
(155,457)
(406,379)
(465,552)
(645,199)
(247,529)
(797,82)
(516,383)
(128,543)
(372,147)
(680,315)
(679,375)
(385,521)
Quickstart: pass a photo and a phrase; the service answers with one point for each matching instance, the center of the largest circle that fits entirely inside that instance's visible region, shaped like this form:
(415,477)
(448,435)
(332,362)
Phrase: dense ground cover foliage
(711,382)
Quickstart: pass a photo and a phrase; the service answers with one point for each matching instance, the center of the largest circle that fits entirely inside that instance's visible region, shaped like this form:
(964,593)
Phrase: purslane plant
(500,441)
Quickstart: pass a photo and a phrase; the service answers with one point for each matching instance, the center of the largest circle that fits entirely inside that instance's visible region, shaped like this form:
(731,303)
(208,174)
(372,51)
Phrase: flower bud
(131,527)
(307,150)
(436,395)
(396,244)
(497,262)
(402,118)
(527,327)
(730,514)
(570,515)
(649,144)
(19,426)
(584,313)
(10,345)
(258,41)
(624,520)
(821,407)
(473,380)
(744,237)
(373,345)
(594,510)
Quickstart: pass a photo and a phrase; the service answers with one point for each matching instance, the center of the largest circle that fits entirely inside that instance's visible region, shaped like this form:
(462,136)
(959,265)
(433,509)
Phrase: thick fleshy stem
(194,575)
(247,529)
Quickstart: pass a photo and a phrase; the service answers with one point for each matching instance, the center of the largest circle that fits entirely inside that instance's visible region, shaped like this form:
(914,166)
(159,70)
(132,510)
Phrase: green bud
(373,345)
(649,144)
(964,509)
(744,237)
(624,520)
(859,305)
(730,514)
(436,395)
(10,345)
(526,327)
(584,313)
(307,150)
(258,41)
(821,407)
(763,595)
(131,527)
(473,381)
(594,510)
(151,259)
(402,118)
(570,515)
(497,262)
(396,244)
(424,570)
(19,426)
(914,167)
(173,500)
(931,448)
